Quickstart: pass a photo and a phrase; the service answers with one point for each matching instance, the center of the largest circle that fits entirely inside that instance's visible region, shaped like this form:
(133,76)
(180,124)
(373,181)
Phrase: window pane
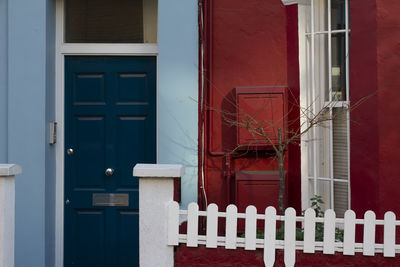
(321,68)
(307,22)
(340,147)
(324,190)
(338,67)
(338,14)
(105,21)
(320,15)
(340,190)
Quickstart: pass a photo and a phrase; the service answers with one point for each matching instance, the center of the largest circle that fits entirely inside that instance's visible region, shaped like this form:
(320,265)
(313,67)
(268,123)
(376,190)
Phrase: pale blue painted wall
(27,106)
(50,191)
(30,82)
(178,89)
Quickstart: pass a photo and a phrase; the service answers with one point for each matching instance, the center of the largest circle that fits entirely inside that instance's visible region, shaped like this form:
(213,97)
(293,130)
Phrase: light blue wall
(178,89)
(50,182)
(30,57)
(3,81)
(27,106)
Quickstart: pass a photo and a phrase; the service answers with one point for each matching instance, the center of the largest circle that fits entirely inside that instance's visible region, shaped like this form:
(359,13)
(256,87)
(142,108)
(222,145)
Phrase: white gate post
(7,213)
(156,191)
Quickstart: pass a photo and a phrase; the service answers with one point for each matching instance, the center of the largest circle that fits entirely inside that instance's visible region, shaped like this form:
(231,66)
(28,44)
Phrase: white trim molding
(295,2)
(290,2)
(109,49)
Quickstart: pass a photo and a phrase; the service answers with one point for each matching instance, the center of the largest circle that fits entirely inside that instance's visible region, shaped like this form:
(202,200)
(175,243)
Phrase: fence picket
(231,227)
(290,237)
(173,223)
(251,228)
(309,231)
(349,232)
(369,234)
(289,221)
(212,226)
(269,236)
(192,225)
(329,232)
(389,236)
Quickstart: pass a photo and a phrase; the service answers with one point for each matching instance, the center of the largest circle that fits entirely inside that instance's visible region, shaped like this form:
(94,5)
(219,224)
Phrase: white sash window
(324,90)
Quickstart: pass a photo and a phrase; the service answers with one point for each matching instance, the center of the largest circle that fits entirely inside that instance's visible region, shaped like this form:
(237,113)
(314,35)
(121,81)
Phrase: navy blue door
(110,125)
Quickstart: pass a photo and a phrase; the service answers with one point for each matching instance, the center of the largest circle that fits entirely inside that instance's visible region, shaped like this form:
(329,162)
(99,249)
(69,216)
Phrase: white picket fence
(289,244)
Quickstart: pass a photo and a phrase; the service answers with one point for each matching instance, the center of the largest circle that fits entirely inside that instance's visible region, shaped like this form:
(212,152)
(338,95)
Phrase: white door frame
(62,50)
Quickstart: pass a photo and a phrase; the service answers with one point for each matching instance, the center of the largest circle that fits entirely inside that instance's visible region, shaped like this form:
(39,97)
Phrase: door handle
(109,171)
(70,151)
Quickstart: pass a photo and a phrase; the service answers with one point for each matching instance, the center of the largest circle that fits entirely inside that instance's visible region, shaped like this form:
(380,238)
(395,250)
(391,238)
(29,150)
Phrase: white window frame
(308,98)
(87,49)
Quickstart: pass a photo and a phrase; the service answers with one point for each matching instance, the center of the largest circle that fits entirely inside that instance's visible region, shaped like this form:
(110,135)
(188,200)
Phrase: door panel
(90,229)
(131,88)
(126,255)
(110,108)
(89,135)
(127,148)
(88,89)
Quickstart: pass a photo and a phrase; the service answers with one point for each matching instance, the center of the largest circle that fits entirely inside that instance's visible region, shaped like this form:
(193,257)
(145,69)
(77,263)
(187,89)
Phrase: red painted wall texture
(364,137)
(254,43)
(250,43)
(375,131)
(294,170)
(247,48)
(388,73)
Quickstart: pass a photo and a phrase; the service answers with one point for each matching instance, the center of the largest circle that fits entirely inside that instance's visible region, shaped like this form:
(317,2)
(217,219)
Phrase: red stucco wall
(255,44)
(247,45)
(375,132)
(294,168)
(364,138)
(388,77)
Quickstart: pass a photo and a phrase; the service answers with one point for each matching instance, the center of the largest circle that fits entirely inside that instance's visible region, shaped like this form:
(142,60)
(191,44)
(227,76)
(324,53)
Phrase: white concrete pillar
(156,190)
(7,213)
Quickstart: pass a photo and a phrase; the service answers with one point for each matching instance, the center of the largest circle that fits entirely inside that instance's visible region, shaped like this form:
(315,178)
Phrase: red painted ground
(220,257)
